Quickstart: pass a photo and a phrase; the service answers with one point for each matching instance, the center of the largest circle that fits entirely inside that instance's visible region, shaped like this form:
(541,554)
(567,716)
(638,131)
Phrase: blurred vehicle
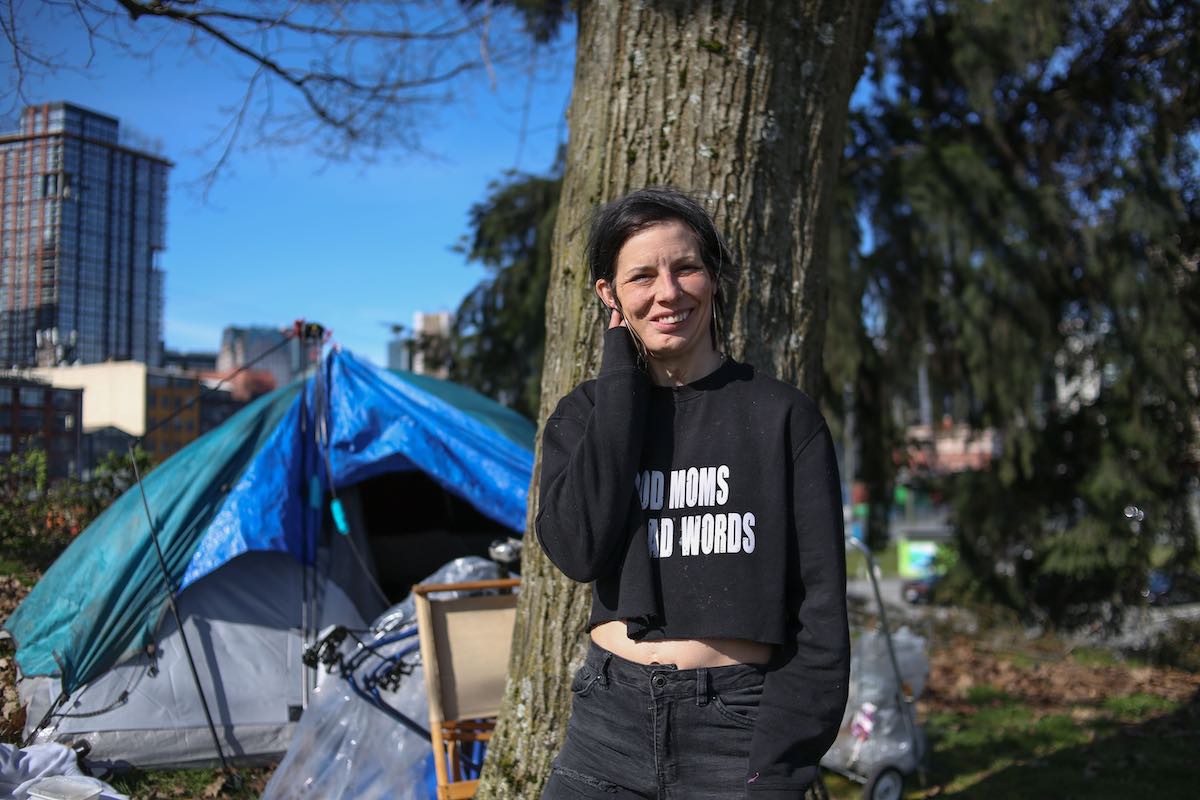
(919,590)
(1164,589)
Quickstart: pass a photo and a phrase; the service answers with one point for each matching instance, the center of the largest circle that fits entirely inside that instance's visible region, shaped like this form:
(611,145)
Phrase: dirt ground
(1042,674)
(12,716)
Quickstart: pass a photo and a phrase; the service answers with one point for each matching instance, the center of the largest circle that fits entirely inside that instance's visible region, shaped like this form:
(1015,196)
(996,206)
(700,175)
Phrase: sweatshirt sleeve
(805,691)
(589,464)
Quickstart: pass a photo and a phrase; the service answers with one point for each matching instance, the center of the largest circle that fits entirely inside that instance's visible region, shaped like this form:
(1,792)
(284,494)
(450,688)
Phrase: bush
(38,519)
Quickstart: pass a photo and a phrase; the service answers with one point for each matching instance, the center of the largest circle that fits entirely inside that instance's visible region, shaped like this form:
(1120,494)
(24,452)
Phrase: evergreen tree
(500,328)
(1026,176)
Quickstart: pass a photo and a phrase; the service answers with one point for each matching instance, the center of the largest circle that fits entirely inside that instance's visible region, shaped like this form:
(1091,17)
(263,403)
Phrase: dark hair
(615,222)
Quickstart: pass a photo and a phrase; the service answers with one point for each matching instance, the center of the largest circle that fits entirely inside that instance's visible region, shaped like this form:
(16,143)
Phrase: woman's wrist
(620,355)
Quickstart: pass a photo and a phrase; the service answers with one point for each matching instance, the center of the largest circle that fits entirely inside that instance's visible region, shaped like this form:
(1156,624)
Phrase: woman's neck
(683,371)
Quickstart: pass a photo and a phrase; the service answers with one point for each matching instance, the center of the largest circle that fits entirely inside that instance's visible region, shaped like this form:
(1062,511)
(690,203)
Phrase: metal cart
(880,742)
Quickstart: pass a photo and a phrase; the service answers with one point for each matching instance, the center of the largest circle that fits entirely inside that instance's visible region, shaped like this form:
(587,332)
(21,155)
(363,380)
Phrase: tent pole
(166,576)
(308,622)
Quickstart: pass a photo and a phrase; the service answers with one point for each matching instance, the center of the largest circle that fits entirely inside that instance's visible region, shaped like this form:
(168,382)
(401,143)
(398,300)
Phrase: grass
(985,695)
(1023,660)
(1097,657)
(12,568)
(1138,706)
(247,784)
(1011,752)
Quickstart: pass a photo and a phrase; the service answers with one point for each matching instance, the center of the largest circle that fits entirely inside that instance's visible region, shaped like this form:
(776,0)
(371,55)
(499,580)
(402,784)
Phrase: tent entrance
(413,526)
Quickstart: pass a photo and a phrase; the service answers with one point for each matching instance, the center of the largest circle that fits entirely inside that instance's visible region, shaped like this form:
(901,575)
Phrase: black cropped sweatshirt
(711,510)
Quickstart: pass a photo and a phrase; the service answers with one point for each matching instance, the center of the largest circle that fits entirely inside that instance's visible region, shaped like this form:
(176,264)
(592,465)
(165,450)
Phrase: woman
(701,500)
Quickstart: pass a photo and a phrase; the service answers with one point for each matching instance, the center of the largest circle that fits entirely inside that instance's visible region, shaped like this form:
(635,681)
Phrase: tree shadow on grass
(1103,758)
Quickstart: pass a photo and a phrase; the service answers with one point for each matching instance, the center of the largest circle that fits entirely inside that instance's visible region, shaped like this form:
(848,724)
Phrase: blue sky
(285,234)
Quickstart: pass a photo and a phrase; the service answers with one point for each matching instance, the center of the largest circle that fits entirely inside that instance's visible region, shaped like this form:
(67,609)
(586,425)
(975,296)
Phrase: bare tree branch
(483,50)
(230,134)
(336,33)
(355,74)
(91,29)
(23,55)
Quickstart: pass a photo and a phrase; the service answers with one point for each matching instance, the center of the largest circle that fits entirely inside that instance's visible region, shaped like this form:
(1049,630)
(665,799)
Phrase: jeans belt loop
(603,677)
(702,686)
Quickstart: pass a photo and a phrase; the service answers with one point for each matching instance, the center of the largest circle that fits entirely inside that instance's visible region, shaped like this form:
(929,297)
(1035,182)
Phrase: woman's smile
(665,296)
(671,321)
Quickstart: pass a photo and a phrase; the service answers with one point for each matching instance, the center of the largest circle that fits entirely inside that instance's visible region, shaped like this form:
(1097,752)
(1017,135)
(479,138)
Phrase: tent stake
(166,576)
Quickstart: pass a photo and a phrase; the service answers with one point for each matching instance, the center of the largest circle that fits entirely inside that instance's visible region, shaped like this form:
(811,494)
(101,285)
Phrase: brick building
(34,414)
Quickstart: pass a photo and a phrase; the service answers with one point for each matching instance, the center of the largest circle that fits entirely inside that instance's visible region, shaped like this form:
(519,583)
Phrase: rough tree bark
(744,102)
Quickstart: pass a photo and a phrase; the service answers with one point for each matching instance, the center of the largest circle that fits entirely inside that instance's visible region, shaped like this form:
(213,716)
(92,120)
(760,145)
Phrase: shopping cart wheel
(886,783)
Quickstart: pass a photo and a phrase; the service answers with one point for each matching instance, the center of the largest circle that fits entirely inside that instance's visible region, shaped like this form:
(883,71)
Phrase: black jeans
(656,731)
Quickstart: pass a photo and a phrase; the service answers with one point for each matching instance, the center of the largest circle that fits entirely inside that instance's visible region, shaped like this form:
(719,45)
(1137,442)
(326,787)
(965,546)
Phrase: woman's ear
(605,292)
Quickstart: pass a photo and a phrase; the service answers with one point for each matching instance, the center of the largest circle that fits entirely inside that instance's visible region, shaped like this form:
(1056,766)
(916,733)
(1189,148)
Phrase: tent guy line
(170,590)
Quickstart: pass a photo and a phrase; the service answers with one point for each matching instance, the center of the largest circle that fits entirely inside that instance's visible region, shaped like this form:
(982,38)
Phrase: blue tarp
(258,483)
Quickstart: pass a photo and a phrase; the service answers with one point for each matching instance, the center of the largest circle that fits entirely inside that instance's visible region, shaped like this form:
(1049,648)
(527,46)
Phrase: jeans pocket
(739,704)
(585,678)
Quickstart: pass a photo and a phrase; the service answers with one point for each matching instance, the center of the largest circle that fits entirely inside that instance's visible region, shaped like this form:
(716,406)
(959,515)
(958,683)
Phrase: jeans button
(660,681)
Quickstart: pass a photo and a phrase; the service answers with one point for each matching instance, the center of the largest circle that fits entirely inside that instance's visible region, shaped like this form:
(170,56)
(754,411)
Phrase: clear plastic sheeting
(346,746)
(878,730)
(871,672)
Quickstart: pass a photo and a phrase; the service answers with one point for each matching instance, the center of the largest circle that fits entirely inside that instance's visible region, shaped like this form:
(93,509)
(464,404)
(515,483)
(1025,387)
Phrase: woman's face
(665,293)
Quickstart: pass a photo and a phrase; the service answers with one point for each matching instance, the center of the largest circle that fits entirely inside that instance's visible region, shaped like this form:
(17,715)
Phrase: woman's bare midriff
(683,653)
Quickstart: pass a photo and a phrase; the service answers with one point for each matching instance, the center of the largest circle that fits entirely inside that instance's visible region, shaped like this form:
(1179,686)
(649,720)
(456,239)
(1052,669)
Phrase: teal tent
(253,499)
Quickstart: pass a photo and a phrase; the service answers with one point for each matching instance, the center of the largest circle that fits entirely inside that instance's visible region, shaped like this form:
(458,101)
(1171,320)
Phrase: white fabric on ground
(21,770)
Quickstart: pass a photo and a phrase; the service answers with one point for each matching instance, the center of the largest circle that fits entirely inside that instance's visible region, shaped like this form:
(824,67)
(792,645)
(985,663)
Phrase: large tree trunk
(746,103)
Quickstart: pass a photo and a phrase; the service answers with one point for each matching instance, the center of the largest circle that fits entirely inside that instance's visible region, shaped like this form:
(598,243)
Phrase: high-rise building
(195,361)
(268,349)
(423,349)
(431,343)
(400,353)
(82,223)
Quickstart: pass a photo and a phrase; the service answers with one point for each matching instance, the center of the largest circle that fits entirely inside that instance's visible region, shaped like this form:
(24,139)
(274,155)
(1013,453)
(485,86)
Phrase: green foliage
(111,478)
(1024,179)
(24,521)
(38,519)
(859,373)
(500,329)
